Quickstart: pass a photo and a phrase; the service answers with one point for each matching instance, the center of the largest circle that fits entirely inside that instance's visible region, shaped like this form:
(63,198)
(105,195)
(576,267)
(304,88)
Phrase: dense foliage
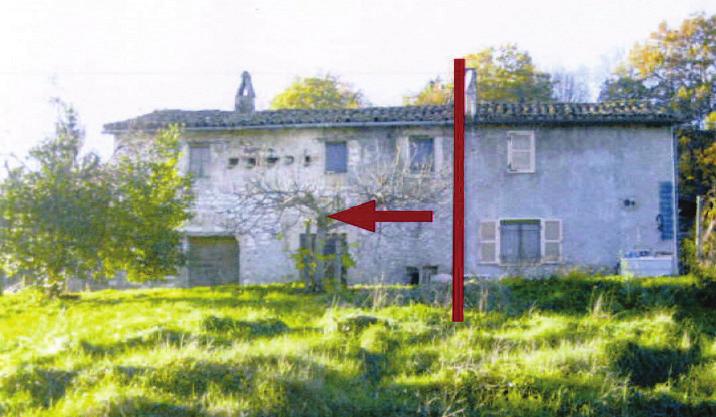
(505,74)
(570,346)
(676,67)
(66,215)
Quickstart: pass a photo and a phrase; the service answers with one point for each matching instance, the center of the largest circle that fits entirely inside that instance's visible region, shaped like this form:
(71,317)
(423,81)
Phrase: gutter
(505,122)
(293,126)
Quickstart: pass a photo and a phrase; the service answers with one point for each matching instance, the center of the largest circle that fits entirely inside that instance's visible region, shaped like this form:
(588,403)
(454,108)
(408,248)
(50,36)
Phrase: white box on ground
(647,266)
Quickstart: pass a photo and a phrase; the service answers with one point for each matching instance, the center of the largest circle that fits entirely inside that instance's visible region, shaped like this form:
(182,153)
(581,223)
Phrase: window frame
(543,241)
(326,144)
(532,151)
(527,220)
(413,168)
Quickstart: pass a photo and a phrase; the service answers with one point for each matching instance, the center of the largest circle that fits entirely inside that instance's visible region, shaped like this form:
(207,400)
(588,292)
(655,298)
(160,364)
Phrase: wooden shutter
(521,151)
(488,238)
(551,241)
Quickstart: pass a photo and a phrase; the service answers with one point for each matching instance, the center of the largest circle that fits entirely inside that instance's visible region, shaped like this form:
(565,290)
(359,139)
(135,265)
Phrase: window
(520,241)
(521,151)
(421,154)
(199,158)
(336,157)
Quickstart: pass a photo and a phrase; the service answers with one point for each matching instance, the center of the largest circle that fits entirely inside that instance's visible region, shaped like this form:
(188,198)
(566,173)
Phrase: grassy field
(577,345)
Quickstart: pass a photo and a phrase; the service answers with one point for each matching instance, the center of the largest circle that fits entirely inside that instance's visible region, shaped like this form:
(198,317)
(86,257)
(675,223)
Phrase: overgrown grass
(570,346)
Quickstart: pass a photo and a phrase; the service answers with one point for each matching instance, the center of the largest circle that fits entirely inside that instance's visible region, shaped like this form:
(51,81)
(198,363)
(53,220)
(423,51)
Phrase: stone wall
(582,177)
(288,154)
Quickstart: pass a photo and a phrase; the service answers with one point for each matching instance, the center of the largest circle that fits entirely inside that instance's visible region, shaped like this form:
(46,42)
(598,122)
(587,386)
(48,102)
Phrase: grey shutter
(509,242)
(551,241)
(199,159)
(530,241)
(666,210)
(487,244)
(336,157)
(521,151)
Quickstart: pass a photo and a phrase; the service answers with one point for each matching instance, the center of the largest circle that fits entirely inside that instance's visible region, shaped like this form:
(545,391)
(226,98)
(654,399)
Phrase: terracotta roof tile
(488,113)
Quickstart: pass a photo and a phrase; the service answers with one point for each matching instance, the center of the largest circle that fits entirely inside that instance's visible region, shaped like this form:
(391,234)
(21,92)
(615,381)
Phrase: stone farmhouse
(549,186)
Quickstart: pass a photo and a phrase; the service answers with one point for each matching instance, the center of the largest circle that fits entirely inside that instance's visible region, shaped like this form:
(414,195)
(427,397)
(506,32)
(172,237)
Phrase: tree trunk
(318,253)
(338,264)
(306,270)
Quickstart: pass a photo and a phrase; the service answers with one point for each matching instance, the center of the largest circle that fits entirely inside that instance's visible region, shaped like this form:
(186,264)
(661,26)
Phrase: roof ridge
(488,112)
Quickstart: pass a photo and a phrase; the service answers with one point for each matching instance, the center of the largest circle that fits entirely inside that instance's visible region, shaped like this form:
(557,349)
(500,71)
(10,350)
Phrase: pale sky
(118,59)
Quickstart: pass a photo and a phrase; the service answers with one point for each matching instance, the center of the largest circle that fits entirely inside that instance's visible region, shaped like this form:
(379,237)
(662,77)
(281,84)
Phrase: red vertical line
(458,201)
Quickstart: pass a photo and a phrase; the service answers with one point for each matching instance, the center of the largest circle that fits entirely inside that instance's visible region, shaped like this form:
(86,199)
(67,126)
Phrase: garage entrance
(213,260)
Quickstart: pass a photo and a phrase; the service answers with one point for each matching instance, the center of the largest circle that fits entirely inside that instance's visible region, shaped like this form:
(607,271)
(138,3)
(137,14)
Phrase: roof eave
(495,122)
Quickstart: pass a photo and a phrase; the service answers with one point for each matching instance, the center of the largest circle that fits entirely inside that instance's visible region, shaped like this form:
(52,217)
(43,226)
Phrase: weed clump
(239,328)
(355,324)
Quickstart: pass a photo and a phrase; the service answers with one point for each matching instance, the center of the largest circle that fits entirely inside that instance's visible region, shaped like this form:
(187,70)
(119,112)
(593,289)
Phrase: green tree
(675,67)
(436,92)
(504,74)
(151,200)
(508,74)
(53,210)
(321,92)
(66,215)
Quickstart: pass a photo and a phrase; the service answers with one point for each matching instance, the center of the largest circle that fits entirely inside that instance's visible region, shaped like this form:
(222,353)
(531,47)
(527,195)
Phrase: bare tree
(570,86)
(271,205)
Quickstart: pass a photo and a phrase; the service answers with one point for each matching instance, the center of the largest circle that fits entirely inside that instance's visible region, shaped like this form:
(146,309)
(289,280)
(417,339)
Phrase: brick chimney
(245,96)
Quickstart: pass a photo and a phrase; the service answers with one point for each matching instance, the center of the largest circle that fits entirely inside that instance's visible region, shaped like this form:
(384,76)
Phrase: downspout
(675,156)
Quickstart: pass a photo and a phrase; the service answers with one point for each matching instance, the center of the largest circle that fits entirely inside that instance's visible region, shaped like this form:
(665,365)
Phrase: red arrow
(365,216)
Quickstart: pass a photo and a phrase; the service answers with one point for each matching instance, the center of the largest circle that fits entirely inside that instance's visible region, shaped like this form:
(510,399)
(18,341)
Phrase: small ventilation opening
(233,162)
(250,162)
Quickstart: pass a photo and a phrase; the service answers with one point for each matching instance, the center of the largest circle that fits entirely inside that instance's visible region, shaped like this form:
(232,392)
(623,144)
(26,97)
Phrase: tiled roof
(488,113)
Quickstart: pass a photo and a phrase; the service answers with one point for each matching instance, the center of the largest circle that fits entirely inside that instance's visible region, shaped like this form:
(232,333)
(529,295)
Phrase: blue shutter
(336,157)
(666,210)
